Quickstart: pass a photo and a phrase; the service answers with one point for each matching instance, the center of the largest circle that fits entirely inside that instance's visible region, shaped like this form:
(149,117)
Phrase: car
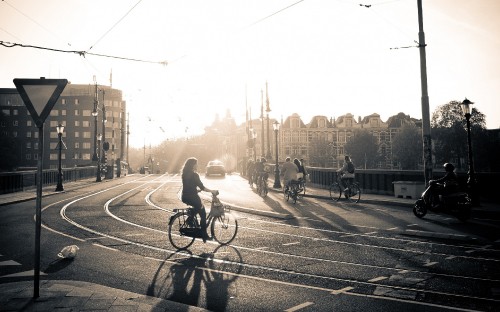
(215,167)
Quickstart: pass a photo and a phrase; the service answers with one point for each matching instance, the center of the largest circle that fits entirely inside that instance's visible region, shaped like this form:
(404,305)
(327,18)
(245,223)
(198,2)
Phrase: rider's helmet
(448,167)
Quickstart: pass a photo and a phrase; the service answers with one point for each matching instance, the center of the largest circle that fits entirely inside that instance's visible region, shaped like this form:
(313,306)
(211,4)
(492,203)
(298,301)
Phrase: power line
(109,30)
(80,53)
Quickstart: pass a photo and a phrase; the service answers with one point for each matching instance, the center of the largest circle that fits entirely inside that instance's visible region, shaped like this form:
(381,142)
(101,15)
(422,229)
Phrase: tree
(449,133)
(319,152)
(363,149)
(407,147)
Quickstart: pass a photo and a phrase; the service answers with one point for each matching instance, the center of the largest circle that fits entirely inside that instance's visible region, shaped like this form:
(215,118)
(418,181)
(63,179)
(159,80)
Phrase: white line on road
(300,306)
(341,291)
(376,279)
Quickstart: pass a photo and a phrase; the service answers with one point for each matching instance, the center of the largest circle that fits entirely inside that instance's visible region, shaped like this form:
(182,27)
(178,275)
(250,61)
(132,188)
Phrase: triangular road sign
(40,96)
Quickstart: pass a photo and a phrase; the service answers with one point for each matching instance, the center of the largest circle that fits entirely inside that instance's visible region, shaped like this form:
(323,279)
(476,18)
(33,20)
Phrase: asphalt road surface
(326,256)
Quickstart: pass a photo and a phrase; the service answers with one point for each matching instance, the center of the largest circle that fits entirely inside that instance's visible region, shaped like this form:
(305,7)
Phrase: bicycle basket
(217,210)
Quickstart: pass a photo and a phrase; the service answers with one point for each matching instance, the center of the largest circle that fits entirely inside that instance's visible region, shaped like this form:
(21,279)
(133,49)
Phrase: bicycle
(352,192)
(262,187)
(184,225)
(302,185)
(292,191)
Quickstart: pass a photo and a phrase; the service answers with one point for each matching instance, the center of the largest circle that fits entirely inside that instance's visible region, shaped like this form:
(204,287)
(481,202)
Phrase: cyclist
(250,171)
(190,184)
(260,170)
(347,172)
(289,172)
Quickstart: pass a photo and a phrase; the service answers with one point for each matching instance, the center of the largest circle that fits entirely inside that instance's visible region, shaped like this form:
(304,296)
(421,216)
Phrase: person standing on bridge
(191,184)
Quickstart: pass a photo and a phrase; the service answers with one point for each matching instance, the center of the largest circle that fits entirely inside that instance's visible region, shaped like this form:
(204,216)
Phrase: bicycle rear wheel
(224,228)
(335,191)
(354,193)
(179,229)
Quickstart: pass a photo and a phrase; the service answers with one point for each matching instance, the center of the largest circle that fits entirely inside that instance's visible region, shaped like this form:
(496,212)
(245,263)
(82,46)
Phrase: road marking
(450,257)
(23,274)
(376,279)
(429,263)
(105,247)
(392,228)
(341,291)
(262,248)
(9,262)
(293,243)
(371,233)
(300,306)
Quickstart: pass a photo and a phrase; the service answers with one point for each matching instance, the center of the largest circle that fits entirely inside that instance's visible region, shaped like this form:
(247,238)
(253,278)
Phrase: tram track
(275,270)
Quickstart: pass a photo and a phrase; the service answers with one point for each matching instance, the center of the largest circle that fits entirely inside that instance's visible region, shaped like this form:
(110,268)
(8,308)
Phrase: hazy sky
(319,57)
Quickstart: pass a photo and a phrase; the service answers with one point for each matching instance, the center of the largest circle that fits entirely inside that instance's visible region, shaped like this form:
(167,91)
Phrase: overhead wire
(112,27)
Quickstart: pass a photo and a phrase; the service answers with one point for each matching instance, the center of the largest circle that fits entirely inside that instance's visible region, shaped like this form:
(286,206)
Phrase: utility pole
(262,152)
(268,109)
(426,125)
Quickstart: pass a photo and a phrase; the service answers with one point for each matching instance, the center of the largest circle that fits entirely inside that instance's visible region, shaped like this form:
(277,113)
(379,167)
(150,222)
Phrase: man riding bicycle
(289,172)
(260,170)
(347,173)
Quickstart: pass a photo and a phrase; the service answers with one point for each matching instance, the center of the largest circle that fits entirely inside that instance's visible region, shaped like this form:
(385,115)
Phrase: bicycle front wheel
(335,191)
(224,228)
(354,193)
(176,227)
(264,190)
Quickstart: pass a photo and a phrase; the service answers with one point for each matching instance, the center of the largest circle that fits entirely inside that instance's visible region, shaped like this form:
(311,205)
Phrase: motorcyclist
(446,185)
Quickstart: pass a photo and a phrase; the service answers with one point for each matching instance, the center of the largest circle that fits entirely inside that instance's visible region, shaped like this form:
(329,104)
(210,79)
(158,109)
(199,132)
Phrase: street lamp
(59,187)
(471,182)
(277,184)
(94,114)
(254,138)
(98,176)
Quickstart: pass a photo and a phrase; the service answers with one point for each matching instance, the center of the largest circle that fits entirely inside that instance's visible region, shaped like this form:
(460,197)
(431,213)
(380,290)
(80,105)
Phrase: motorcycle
(457,204)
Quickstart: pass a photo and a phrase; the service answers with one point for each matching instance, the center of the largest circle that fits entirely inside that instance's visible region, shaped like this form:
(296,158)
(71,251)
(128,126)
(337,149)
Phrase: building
(80,109)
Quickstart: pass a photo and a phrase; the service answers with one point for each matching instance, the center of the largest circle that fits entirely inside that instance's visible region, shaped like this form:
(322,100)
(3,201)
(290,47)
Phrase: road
(325,256)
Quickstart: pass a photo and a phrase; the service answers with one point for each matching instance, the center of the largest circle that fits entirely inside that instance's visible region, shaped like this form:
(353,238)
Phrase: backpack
(350,167)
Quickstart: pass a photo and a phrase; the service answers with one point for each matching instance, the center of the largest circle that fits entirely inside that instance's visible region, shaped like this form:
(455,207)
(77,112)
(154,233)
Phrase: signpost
(39,96)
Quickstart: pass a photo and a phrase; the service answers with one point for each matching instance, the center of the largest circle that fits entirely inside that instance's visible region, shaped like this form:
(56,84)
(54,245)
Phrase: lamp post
(59,187)
(98,176)
(471,182)
(254,138)
(277,184)
(103,155)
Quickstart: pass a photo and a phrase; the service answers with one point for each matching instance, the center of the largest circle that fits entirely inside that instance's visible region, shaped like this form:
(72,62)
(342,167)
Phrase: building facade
(80,109)
(324,138)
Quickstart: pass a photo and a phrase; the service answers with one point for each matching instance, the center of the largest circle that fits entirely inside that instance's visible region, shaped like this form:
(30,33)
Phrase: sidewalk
(80,296)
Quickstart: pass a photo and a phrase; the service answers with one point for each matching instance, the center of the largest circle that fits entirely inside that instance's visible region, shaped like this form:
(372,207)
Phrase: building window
(14,134)
(348,123)
(28,145)
(63,112)
(86,156)
(15,123)
(28,134)
(35,156)
(53,145)
(322,123)
(77,113)
(76,156)
(86,112)
(86,134)
(77,134)
(77,123)
(86,145)
(86,123)
(77,102)
(6,112)
(77,145)
(15,112)
(36,135)
(28,156)
(53,156)
(63,101)
(54,123)
(53,135)
(54,112)
(28,123)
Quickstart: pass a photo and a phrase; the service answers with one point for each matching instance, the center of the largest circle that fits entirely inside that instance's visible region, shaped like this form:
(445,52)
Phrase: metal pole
(277,183)
(471,182)
(38,221)
(59,187)
(103,152)
(426,124)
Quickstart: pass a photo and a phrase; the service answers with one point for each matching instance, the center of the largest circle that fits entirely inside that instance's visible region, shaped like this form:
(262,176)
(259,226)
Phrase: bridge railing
(19,181)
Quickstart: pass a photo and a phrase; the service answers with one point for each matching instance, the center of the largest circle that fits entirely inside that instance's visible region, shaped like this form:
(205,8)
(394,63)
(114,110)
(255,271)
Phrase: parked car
(215,167)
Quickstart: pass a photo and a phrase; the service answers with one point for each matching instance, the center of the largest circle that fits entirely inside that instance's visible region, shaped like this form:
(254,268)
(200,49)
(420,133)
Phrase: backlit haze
(319,57)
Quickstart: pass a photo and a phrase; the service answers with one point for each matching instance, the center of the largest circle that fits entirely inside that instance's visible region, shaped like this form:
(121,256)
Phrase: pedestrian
(190,184)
